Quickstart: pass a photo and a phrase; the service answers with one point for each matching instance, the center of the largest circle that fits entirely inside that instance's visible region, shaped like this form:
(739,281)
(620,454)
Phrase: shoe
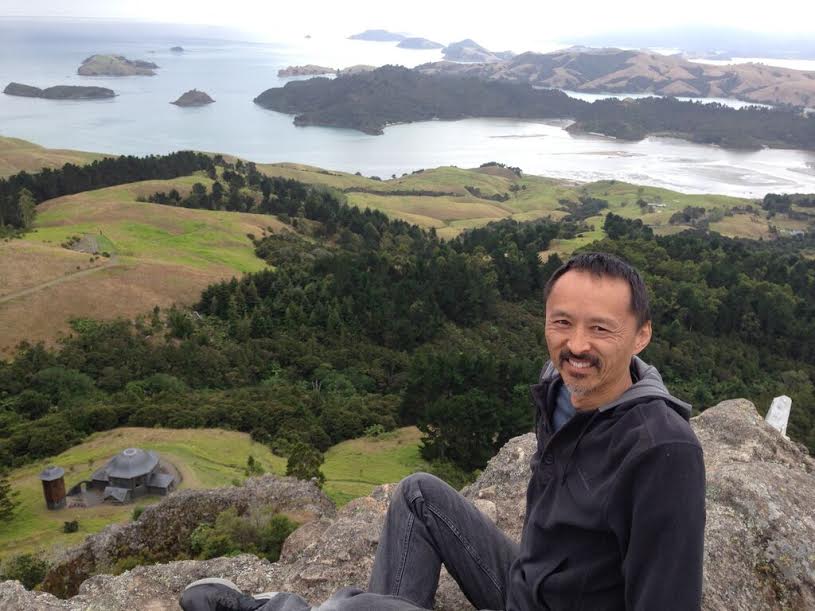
(215,594)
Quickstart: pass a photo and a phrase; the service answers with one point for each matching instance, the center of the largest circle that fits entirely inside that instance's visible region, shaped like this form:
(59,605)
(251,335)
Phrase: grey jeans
(428,524)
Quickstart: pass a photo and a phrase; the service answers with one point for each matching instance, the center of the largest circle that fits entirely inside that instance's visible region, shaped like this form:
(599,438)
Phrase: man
(616,502)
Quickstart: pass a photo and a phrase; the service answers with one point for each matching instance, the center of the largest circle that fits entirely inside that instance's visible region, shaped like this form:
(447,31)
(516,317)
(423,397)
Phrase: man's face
(592,335)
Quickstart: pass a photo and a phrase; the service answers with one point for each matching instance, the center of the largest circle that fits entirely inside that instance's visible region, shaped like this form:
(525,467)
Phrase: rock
(419,43)
(193,97)
(759,547)
(162,530)
(26,91)
(177,49)
(59,92)
(115,65)
(378,36)
(307,70)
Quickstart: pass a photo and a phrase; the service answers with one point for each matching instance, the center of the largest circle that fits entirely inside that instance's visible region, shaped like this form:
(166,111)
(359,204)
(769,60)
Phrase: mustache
(568,354)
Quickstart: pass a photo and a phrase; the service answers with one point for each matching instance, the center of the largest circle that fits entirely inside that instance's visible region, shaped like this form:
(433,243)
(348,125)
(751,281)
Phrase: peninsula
(59,92)
(115,65)
(193,97)
(620,71)
(370,101)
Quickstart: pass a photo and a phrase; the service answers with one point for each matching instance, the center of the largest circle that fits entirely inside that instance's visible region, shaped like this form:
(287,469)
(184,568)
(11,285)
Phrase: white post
(779,414)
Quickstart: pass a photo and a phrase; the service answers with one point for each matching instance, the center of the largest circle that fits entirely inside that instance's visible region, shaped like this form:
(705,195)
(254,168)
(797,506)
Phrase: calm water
(140,119)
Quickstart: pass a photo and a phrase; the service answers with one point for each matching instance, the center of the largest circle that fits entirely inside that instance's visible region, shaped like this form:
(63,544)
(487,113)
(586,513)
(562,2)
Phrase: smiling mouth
(579,364)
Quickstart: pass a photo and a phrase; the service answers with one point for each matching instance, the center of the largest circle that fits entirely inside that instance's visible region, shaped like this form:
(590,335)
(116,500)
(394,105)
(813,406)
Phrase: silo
(53,487)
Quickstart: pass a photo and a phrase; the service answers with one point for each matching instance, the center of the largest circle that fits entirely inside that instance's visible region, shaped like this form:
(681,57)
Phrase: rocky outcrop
(115,65)
(307,70)
(759,551)
(59,92)
(419,43)
(193,97)
(162,530)
(378,36)
(621,71)
(177,49)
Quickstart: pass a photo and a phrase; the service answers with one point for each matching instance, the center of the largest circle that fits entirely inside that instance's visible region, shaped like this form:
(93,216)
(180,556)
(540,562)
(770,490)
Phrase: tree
(8,499)
(304,463)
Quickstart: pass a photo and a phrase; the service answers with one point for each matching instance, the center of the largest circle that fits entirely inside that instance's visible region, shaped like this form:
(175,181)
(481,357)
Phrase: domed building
(132,473)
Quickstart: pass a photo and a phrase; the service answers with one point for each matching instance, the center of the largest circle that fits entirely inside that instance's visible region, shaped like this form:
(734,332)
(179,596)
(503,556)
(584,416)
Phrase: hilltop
(620,71)
(758,540)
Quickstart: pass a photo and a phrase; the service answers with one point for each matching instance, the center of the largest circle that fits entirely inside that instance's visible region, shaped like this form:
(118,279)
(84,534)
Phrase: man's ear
(643,337)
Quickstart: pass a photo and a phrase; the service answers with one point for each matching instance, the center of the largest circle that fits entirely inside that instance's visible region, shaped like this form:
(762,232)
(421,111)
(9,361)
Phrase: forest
(364,321)
(369,101)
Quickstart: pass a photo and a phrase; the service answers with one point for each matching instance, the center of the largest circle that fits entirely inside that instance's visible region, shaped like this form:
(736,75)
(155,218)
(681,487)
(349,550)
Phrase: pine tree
(8,499)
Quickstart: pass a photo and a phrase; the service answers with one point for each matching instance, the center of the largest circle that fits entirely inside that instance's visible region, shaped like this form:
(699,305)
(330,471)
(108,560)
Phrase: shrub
(71,526)
(137,511)
(28,569)
(452,474)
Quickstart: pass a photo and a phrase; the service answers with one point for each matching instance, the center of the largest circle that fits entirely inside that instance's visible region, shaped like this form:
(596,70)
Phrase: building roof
(131,462)
(120,494)
(51,473)
(160,480)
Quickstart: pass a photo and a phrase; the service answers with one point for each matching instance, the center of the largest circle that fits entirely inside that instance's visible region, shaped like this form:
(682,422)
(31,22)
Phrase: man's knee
(423,485)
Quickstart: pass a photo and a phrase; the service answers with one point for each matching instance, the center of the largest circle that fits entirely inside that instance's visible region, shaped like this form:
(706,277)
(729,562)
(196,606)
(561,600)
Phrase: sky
(495,24)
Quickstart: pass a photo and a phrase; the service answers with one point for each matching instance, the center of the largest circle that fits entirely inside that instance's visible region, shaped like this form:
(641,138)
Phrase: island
(59,92)
(419,43)
(177,49)
(378,36)
(370,101)
(193,97)
(468,50)
(115,65)
(307,70)
(625,71)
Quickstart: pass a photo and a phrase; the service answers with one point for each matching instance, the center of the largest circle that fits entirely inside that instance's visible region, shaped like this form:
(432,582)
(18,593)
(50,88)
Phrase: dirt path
(72,276)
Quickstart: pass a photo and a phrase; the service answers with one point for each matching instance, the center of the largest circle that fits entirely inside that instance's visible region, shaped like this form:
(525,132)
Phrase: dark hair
(605,264)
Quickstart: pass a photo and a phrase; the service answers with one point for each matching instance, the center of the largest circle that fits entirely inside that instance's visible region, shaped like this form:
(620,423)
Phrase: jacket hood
(648,384)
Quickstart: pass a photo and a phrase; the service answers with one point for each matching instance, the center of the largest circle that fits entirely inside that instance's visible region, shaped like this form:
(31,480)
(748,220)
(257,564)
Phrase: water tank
(53,487)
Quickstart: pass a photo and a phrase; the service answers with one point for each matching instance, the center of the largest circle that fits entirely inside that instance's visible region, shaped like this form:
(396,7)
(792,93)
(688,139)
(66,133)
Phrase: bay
(141,120)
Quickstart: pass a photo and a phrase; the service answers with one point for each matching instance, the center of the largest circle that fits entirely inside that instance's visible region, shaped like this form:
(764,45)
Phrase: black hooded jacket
(615,508)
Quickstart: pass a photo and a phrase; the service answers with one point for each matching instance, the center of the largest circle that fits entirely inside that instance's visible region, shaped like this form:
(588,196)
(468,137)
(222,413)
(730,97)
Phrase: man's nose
(578,341)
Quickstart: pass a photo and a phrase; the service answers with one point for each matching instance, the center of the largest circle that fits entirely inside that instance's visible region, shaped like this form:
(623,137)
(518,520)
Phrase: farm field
(159,255)
(206,458)
(353,468)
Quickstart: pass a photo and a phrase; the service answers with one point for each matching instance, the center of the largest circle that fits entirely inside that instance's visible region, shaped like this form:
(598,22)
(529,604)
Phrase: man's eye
(600,329)
(560,323)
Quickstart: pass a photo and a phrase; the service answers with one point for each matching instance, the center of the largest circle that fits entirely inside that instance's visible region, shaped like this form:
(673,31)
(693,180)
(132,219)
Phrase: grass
(353,468)
(17,155)
(206,458)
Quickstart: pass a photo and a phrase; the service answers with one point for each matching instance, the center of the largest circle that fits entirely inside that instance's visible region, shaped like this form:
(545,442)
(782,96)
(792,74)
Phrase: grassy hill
(160,255)
(17,155)
(206,458)
(163,255)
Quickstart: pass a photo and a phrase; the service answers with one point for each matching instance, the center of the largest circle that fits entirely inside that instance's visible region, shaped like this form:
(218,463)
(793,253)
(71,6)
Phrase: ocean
(140,120)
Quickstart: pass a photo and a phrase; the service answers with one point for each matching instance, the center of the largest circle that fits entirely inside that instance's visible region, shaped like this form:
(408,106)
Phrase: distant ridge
(378,36)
